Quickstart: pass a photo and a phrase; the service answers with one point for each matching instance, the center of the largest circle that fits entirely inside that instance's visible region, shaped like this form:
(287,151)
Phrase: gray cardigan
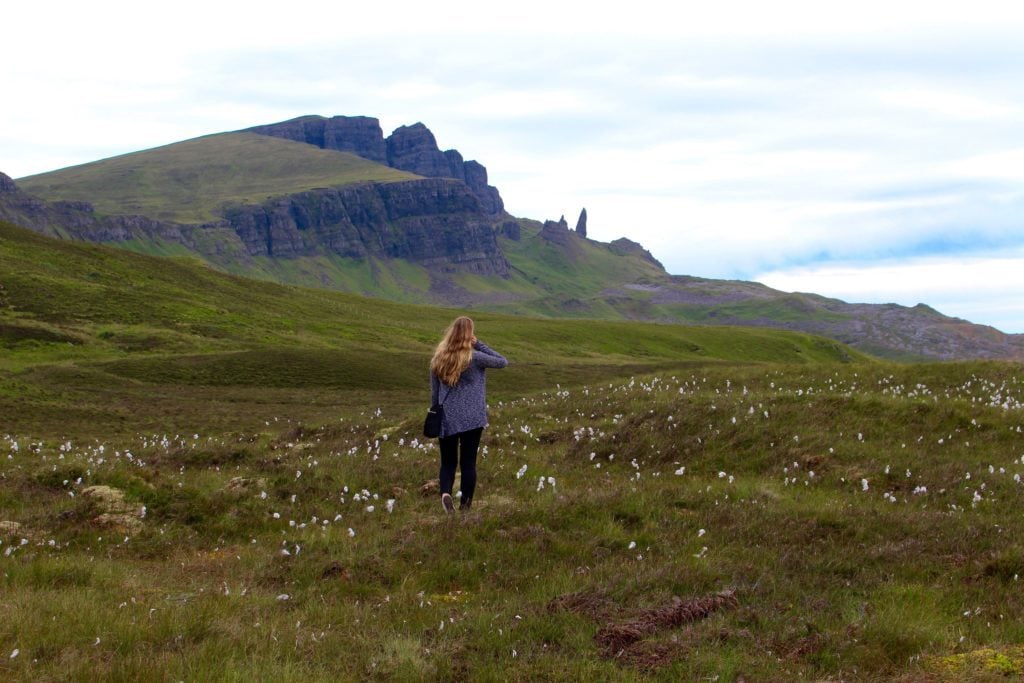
(465,403)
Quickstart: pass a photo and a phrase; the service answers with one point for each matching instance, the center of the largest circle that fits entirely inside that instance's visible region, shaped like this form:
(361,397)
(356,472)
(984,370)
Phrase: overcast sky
(872,151)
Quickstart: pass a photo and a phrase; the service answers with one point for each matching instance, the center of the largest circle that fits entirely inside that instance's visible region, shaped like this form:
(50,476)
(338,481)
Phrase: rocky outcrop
(556,231)
(7,184)
(360,135)
(434,222)
(628,246)
(581,224)
(409,148)
(414,149)
(512,230)
(476,178)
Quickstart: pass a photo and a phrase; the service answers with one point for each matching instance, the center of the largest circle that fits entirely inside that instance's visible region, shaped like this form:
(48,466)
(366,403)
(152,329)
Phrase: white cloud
(730,138)
(983,289)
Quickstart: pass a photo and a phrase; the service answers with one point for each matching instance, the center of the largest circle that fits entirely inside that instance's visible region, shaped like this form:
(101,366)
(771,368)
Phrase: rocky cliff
(409,148)
(435,222)
(360,135)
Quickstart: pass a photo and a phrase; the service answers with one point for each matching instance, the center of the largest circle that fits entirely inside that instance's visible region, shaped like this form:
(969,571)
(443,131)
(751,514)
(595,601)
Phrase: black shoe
(447,503)
(465,504)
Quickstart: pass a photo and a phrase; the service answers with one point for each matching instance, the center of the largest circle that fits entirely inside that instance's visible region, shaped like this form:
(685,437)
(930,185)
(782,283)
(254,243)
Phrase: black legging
(464,444)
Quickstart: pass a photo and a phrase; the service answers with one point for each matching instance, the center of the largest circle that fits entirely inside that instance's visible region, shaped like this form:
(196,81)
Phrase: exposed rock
(434,222)
(628,246)
(117,512)
(456,165)
(409,148)
(414,149)
(512,230)
(360,135)
(9,529)
(476,178)
(7,184)
(581,224)
(556,231)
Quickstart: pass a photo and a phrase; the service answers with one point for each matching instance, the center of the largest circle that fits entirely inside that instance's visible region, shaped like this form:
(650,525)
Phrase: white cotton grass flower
(632,545)
(390,505)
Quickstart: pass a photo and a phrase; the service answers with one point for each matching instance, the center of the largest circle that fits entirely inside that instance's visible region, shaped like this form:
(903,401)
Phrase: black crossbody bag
(435,416)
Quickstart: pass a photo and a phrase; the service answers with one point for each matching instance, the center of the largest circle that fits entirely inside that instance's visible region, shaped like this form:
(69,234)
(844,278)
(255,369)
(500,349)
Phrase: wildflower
(863,484)
(632,545)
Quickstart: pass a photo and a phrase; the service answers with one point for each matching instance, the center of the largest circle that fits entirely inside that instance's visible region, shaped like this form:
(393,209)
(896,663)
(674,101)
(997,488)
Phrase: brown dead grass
(615,638)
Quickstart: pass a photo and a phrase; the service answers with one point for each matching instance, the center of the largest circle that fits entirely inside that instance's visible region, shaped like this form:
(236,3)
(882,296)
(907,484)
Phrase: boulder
(118,514)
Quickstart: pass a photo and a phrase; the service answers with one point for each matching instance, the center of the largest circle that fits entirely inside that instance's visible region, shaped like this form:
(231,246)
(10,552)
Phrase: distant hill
(80,323)
(332,203)
(193,181)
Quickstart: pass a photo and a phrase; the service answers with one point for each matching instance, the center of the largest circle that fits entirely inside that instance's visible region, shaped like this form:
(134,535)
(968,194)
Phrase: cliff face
(409,148)
(360,135)
(434,222)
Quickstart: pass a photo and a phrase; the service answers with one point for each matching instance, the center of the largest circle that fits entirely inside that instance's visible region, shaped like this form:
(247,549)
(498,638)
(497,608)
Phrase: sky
(870,151)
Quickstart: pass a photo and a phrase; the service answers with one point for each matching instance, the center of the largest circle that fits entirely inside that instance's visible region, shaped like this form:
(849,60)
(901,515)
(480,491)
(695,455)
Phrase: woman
(457,382)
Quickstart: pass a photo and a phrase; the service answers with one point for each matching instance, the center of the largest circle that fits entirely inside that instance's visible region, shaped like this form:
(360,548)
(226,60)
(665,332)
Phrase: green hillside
(189,181)
(94,319)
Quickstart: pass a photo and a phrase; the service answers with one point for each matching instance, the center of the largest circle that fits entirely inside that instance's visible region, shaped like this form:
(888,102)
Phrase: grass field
(855,522)
(209,478)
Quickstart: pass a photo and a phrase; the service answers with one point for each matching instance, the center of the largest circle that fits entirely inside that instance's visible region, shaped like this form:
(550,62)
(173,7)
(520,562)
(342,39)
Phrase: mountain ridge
(430,236)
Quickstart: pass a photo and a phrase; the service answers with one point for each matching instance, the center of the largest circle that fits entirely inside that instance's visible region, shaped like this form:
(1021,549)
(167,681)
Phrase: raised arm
(487,357)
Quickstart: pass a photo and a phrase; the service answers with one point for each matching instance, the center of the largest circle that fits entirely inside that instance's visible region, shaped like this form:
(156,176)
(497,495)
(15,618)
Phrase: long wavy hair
(454,352)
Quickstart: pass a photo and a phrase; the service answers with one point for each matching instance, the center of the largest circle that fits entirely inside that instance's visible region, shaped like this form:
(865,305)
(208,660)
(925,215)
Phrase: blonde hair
(454,352)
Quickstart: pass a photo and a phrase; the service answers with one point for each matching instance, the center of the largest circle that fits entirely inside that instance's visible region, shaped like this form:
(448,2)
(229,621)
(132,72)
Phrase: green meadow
(204,477)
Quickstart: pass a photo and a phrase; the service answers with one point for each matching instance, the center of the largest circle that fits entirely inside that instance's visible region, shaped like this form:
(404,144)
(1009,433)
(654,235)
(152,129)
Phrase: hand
(474,341)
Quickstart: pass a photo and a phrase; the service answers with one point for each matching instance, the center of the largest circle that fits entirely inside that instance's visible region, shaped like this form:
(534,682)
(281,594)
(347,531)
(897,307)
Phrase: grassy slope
(188,181)
(86,318)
